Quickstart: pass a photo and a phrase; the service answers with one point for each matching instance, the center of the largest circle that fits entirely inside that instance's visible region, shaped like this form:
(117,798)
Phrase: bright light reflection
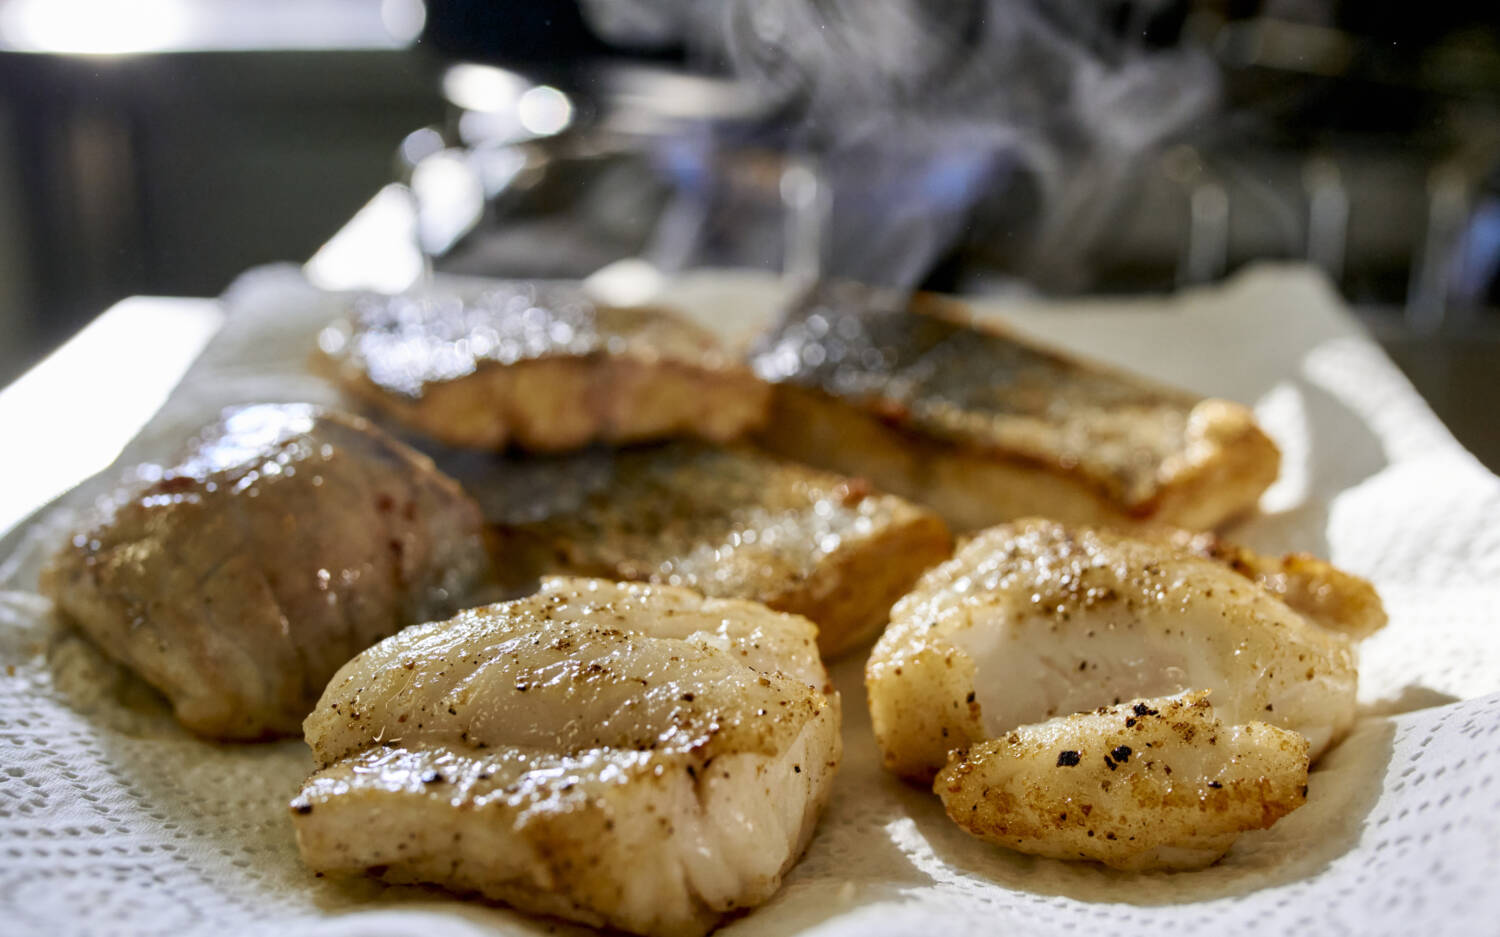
(364,255)
(420,144)
(483,87)
(450,199)
(497,167)
(137,350)
(544,110)
(628,282)
(95,27)
(480,128)
(403,19)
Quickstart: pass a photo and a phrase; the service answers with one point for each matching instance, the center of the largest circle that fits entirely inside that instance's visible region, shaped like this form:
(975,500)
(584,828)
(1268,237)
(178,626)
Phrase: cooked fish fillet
(541,368)
(288,540)
(624,755)
(727,522)
(1325,594)
(986,427)
(1035,619)
(1148,784)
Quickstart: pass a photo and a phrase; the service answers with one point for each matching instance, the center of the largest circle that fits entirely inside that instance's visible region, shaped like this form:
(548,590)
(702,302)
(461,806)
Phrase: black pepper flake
(1121,754)
(970,697)
(303,809)
(1269,708)
(1215,785)
(431,777)
(1141,709)
(1129,721)
(1109,763)
(1067,759)
(687,697)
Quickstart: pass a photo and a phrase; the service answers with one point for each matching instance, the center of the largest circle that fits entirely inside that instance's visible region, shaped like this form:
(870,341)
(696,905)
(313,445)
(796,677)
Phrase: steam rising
(937,120)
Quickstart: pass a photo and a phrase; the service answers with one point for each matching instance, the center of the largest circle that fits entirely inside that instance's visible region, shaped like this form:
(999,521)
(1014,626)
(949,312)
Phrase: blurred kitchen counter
(164,146)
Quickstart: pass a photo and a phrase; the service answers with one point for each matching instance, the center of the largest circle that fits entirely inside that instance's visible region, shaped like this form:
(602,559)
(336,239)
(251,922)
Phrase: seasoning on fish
(540,367)
(727,522)
(624,755)
(1035,619)
(1148,784)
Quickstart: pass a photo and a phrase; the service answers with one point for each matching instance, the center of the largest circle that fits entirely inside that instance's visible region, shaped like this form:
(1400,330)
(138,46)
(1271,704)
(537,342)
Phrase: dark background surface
(171,172)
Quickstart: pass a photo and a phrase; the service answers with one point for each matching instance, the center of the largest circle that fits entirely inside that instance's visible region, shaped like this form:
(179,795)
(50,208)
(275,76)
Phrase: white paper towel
(114,821)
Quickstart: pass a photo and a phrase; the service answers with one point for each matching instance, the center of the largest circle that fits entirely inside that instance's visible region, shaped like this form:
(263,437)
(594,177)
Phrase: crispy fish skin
(1148,784)
(541,368)
(624,755)
(729,522)
(1036,619)
(986,427)
(291,539)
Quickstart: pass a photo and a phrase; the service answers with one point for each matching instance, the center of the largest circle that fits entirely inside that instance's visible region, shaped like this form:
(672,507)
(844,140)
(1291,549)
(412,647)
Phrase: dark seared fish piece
(986,427)
(728,522)
(542,368)
(289,540)
(628,756)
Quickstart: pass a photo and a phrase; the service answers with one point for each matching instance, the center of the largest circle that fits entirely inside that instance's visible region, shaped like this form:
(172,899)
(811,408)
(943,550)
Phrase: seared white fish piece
(288,540)
(540,367)
(986,427)
(1035,619)
(623,755)
(725,521)
(1325,594)
(1148,784)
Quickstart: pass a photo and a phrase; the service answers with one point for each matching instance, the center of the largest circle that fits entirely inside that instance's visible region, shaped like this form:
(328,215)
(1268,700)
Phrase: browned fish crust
(541,368)
(728,522)
(1149,784)
(1327,595)
(986,427)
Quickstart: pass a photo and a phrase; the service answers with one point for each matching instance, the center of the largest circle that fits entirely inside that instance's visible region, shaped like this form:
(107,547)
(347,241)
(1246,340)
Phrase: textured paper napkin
(113,821)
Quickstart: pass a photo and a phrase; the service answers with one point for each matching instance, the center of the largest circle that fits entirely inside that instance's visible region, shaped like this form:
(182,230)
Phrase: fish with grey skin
(1036,619)
(729,522)
(289,539)
(1148,784)
(623,755)
(985,426)
(540,367)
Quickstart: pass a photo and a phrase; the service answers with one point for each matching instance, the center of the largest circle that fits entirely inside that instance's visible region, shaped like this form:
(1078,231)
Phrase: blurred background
(975,146)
